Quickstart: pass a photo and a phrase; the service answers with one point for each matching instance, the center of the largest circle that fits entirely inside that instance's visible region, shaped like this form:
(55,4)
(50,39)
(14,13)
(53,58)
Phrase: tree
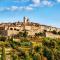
(47,53)
(37,49)
(25,34)
(27,57)
(22,34)
(2,38)
(15,57)
(3,53)
(59,32)
(57,55)
(50,48)
(39,34)
(36,56)
(54,32)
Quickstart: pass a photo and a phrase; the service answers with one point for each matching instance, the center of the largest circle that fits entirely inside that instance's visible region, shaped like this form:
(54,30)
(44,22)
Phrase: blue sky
(40,11)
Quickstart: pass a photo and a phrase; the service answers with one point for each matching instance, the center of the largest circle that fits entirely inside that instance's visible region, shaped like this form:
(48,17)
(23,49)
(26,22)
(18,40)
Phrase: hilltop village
(11,29)
(29,41)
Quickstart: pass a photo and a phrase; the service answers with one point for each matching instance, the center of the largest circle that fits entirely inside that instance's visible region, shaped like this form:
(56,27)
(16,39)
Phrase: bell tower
(26,20)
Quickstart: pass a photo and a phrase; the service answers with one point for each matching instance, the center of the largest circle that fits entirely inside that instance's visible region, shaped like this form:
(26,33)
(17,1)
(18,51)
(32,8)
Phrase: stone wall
(3,32)
(12,32)
(51,35)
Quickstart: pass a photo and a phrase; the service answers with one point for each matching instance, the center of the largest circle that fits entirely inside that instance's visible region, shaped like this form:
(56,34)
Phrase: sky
(39,11)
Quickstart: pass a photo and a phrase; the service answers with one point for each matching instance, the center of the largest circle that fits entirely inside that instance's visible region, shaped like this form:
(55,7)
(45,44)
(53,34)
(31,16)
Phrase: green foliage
(57,56)
(23,34)
(3,53)
(2,38)
(50,43)
(25,43)
(12,43)
(37,48)
(15,57)
(59,32)
(20,34)
(39,34)
(27,57)
(54,32)
(50,48)
(47,53)
(36,56)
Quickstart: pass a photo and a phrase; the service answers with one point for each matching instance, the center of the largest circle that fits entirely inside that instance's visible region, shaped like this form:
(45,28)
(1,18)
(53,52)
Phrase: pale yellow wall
(28,27)
(12,32)
(48,34)
(53,28)
(35,28)
(58,29)
(6,27)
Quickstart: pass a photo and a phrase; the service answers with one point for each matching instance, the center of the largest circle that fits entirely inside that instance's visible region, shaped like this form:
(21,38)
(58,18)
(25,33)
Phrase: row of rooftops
(22,23)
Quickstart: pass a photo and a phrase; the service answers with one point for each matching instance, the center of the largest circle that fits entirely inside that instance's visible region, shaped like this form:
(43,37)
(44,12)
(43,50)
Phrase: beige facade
(12,32)
(49,34)
(32,28)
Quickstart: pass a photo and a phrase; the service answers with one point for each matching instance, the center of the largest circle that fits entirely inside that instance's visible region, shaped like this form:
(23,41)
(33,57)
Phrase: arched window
(14,28)
(17,29)
(11,28)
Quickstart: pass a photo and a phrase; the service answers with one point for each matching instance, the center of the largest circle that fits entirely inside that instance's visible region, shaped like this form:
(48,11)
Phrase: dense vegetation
(29,48)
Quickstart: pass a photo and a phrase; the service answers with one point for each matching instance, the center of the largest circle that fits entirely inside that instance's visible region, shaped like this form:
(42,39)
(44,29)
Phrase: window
(17,29)
(11,28)
(14,28)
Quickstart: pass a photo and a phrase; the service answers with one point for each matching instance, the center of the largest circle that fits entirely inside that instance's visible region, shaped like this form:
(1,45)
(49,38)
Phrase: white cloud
(13,8)
(47,3)
(28,8)
(34,5)
(21,0)
(36,1)
(39,3)
(16,8)
(58,0)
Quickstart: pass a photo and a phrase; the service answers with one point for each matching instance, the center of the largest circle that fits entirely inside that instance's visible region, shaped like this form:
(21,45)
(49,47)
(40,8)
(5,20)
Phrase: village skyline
(45,12)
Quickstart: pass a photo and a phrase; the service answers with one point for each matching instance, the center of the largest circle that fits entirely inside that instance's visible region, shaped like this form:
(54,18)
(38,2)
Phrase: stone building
(10,29)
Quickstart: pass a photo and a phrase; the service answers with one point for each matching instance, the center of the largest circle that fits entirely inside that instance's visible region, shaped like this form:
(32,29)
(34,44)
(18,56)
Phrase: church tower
(26,21)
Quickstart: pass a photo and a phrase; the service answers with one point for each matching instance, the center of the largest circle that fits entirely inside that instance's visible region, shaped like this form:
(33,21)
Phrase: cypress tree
(3,53)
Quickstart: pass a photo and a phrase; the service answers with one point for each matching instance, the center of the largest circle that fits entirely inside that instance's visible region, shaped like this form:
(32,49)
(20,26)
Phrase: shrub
(59,32)
(54,32)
